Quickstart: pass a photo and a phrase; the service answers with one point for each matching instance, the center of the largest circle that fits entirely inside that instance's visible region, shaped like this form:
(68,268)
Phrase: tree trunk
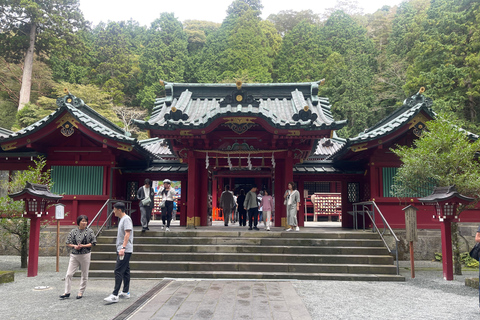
(27,70)
(457,265)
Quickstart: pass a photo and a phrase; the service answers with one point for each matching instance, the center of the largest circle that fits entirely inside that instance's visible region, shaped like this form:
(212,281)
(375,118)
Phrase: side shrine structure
(206,136)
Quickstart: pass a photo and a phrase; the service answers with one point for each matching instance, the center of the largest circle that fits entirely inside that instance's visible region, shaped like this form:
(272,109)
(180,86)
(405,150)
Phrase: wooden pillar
(191,192)
(347,219)
(183,203)
(33,247)
(202,194)
(280,188)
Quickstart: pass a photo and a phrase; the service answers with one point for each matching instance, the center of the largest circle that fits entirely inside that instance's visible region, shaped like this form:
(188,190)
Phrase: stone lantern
(446,201)
(36,198)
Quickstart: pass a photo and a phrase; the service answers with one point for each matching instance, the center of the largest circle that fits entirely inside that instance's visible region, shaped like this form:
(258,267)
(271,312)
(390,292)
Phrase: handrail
(108,220)
(371,214)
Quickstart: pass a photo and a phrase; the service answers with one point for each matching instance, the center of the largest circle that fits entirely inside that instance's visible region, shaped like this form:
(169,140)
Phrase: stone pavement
(222,300)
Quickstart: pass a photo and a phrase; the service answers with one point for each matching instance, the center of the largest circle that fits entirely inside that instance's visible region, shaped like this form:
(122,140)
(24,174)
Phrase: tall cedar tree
(36,26)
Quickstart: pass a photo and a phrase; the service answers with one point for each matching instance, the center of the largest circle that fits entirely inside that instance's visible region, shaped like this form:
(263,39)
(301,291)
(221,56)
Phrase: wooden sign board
(411,225)
(59,211)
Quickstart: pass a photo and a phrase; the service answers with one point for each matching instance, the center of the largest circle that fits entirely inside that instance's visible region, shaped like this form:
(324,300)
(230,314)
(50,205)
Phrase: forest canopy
(371,62)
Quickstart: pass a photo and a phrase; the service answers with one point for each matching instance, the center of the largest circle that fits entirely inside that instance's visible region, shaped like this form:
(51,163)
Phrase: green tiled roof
(5,132)
(85,115)
(284,105)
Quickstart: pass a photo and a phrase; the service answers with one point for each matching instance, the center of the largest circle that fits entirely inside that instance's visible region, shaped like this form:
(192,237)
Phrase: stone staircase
(339,255)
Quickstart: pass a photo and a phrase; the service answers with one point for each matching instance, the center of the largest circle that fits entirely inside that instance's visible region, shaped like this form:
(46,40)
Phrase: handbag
(162,204)
(475,252)
(146,201)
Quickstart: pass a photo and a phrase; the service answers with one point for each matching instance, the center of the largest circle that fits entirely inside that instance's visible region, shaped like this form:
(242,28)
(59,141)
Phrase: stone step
(257,234)
(250,249)
(249,241)
(249,267)
(250,275)
(252,257)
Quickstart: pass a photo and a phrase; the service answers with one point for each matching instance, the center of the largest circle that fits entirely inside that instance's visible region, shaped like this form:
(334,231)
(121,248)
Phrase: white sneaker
(268,228)
(167,229)
(163,227)
(289,229)
(111,298)
(124,295)
(297,229)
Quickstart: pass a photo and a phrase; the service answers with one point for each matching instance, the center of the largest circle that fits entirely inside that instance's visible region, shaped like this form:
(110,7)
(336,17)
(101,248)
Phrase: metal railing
(109,215)
(370,208)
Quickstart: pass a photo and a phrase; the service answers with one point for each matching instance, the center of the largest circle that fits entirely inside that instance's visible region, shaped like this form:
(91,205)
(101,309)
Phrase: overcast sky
(146,11)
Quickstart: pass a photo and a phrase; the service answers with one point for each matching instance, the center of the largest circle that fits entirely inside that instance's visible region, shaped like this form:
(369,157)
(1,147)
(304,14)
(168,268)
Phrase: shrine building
(206,136)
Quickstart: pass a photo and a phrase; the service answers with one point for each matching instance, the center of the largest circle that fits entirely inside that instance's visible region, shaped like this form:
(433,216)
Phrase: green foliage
(164,57)
(443,156)
(31,113)
(302,55)
(465,259)
(444,58)
(11,220)
(286,20)
(8,111)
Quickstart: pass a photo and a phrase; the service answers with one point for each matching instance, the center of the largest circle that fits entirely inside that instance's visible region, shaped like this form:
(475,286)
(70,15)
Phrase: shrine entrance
(238,180)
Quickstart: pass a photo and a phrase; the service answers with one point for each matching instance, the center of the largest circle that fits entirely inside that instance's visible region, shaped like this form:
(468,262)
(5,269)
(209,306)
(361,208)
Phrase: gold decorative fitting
(240,125)
(124,147)
(186,133)
(203,131)
(293,133)
(65,90)
(69,100)
(9,146)
(67,124)
(239,97)
(305,108)
(174,109)
(422,90)
(238,83)
(104,140)
(162,83)
(359,147)
(28,140)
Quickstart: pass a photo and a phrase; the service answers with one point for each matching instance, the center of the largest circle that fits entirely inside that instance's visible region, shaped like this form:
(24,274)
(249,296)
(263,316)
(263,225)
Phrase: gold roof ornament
(422,90)
(238,83)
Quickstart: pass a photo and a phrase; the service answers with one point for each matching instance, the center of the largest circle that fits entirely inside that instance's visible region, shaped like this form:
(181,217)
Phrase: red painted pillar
(202,193)
(33,247)
(191,190)
(446,228)
(279,191)
(183,203)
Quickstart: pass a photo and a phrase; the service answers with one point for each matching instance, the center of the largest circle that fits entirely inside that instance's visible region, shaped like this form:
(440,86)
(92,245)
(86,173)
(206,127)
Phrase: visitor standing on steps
(251,205)
(242,213)
(267,204)
(227,202)
(292,201)
(168,196)
(145,194)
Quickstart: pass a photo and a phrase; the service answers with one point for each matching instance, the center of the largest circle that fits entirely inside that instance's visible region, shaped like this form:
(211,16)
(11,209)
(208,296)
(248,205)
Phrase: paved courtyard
(427,296)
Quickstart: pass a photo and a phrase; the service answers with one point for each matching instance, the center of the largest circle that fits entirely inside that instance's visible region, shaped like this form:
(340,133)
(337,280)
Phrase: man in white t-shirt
(124,246)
